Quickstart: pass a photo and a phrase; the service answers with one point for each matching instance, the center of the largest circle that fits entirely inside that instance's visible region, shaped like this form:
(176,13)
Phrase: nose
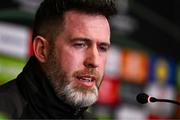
(92,58)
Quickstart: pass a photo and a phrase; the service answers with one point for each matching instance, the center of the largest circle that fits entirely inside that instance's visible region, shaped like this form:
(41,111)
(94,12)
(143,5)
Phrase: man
(71,39)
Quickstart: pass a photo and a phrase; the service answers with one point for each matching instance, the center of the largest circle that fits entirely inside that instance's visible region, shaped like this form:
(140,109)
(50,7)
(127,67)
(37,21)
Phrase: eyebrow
(89,40)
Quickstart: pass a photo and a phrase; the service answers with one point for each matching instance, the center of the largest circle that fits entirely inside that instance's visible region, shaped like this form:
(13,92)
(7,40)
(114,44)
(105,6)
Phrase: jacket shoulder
(11,102)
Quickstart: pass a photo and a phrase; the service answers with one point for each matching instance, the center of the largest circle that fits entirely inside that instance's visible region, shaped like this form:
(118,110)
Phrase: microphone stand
(153,99)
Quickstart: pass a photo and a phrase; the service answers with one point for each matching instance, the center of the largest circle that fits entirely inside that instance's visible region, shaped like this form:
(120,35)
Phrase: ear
(40,47)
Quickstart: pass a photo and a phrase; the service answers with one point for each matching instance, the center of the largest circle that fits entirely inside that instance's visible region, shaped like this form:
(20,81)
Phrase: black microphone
(143,98)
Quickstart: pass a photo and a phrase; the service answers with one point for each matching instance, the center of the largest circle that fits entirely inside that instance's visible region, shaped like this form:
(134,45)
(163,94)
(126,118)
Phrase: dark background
(159,22)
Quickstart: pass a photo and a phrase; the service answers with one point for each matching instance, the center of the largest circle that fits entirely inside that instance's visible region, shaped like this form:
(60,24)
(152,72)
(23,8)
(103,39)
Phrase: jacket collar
(42,101)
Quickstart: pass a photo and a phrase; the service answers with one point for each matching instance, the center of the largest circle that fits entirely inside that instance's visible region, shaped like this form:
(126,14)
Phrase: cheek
(70,61)
(103,63)
(102,66)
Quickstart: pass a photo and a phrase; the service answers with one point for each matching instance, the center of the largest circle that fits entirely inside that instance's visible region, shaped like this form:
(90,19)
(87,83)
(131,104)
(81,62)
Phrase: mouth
(87,80)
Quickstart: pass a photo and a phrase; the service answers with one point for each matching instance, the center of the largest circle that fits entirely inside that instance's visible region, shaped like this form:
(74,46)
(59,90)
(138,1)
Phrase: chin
(79,98)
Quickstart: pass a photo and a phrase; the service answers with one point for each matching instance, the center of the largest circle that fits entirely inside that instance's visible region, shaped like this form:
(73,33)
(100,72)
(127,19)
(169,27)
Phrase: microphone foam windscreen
(142,98)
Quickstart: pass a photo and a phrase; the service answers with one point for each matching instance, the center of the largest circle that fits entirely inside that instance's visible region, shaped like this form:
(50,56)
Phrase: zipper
(77,112)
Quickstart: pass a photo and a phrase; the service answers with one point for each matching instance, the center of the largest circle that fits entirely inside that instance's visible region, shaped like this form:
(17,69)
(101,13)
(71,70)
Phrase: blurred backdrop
(144,56)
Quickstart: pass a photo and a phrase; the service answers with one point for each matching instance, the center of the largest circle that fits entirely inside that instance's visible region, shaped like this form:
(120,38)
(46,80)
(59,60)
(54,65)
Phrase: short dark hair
(51,13)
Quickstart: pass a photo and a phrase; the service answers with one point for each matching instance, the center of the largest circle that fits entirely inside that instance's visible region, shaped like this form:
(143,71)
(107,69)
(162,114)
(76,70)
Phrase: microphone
(143,98)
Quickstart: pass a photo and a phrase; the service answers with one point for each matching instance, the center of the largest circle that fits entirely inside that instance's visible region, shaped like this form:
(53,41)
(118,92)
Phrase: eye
(79,44)
(104,48)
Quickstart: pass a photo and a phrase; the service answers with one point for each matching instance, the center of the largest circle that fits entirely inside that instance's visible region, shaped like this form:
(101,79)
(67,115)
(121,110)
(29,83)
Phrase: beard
(67,89)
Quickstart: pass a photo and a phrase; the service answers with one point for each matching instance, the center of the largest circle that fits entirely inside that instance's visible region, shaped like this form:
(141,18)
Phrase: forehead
(75,18)
(89,25)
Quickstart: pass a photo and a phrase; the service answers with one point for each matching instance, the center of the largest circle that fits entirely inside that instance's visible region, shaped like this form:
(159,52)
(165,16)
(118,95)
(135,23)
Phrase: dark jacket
(30,95)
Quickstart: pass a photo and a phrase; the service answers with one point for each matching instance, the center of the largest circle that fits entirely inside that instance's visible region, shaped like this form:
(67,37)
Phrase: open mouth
(87,78)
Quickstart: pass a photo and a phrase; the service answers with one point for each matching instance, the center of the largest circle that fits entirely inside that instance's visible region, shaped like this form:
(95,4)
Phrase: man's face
(77,61)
